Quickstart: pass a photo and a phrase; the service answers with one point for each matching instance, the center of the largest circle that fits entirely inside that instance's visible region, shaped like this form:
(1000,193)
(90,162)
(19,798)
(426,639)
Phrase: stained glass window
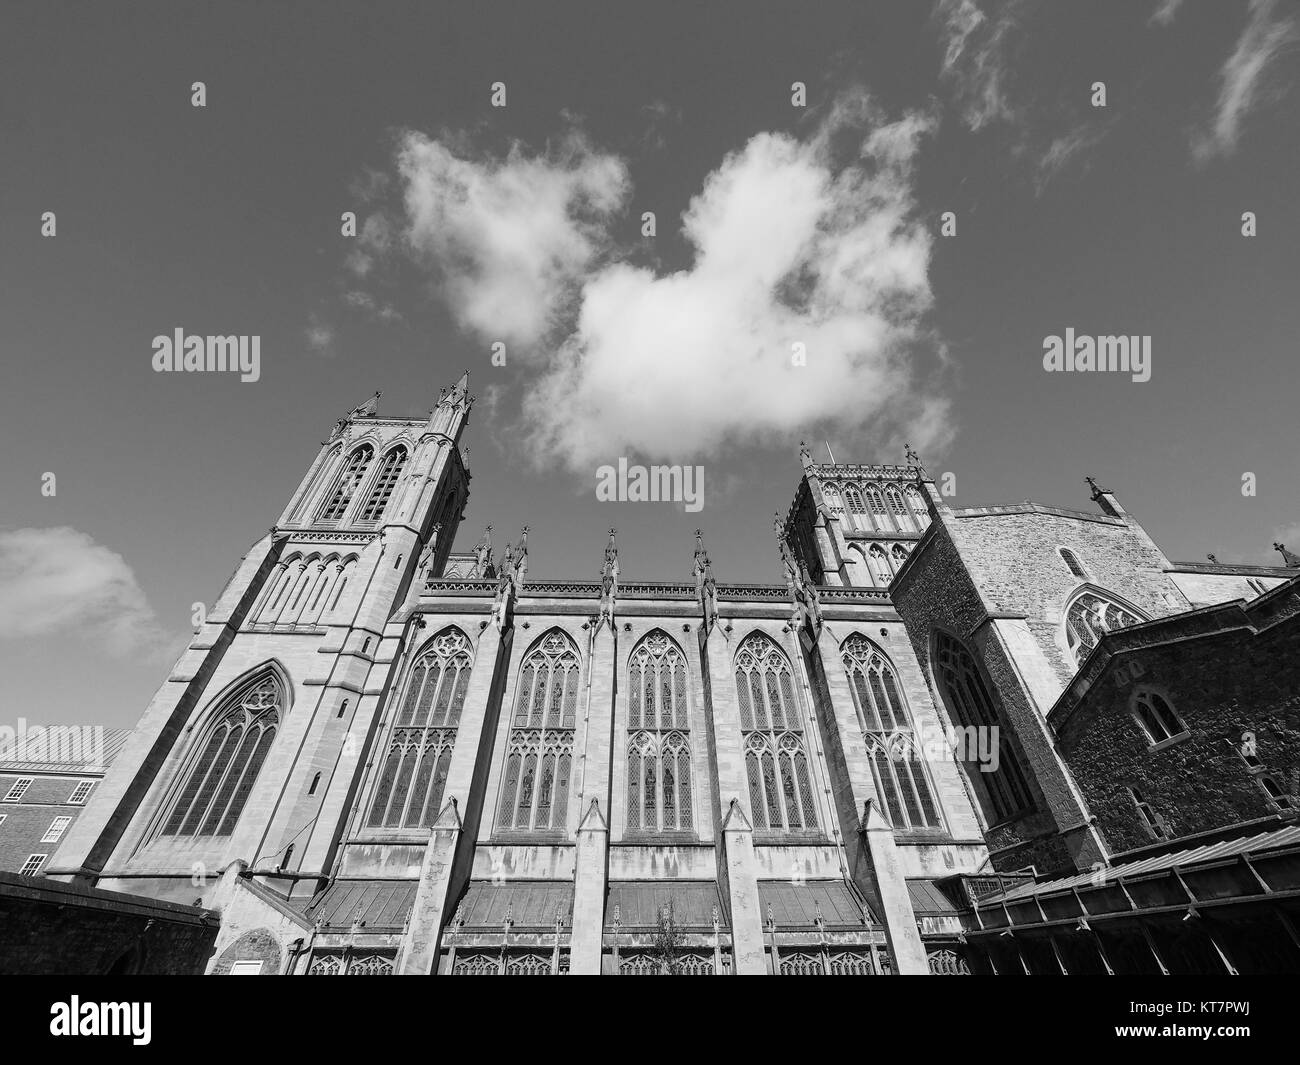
(776,763)
(231,754)
(390,472)
(354,472)
(539,751)
(901,783)
(408,792)
(659,757)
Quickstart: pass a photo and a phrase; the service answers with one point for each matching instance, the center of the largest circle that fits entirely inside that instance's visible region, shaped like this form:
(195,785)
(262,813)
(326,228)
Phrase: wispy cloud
(319,335)
(59,580)
(978,67)
(812,241)
(1165,12)
(1247,78)
(976,60)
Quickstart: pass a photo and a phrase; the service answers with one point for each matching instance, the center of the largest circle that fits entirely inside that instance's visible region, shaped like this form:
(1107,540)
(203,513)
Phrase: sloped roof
(796,905)
(373,904)
(526,903)
(63,749)
(638,903)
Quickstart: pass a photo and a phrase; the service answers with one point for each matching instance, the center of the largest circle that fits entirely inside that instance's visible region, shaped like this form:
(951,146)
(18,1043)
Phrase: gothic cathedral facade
(380,756)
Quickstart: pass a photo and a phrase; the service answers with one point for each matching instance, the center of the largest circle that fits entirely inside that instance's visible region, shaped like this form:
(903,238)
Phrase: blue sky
(775,224)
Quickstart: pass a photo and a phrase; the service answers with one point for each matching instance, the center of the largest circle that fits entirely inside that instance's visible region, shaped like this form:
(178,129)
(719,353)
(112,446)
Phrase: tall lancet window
(780,780)
(231,753)
(390,472)
(1089,617)
(902,516)
(920,511)
(354,472)
(981,720)
(659,750)
(539,753)
(408,793)
(901,784)
(877,504)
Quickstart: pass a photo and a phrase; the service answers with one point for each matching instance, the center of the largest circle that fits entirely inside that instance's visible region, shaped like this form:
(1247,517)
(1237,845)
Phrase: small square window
(20,786)
(246,968)
(33,864)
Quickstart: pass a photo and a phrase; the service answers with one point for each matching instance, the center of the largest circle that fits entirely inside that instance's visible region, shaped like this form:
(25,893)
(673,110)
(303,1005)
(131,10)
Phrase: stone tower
(278,690)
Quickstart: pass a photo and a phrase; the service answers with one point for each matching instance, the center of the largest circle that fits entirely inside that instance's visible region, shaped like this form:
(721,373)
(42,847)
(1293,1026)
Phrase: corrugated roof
(928,900)
(63,748)
(1276,839)
(796,905)
(638,903)
(375,904)
(527,904)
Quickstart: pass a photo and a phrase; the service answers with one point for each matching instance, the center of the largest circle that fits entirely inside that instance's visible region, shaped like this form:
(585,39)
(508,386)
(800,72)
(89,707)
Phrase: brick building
(46,777)
(379,755)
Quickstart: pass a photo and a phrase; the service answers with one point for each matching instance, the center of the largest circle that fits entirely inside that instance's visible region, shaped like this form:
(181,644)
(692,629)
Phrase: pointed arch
(313,489)
(422,727)
(659,756)
(771,719)
(902,784)
(977,712)
(345,485)
(385,482)
(227,755)
(1090,613)
(878,562)
(539,749)
(920,512)
(878,512)
(901,513)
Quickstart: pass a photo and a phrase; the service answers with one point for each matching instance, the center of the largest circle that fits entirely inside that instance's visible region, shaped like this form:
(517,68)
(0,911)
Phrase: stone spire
(483,569)
(706,590)
(609,580)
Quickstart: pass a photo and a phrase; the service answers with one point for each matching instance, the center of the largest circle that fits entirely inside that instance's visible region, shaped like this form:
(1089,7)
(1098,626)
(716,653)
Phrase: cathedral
(951,741)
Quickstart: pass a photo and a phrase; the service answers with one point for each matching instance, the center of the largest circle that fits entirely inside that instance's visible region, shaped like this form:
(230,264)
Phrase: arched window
(901,784)
(390,472)
(1155,715)
(780,780)
(980,718)
(831,495)
(898,555)
(659,752)
(231,754)
(354,472)
(877,504)
(1089,617)
(857,510)
(920,512)
(408,793)
(539,753)
(1072,561)
(879,563)
(902,515)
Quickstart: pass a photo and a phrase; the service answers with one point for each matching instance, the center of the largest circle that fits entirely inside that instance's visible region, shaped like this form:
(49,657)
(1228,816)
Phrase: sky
(781,225)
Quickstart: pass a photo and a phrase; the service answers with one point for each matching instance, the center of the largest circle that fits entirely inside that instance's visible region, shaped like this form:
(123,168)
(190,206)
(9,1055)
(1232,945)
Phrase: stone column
(735,817)
(592,837)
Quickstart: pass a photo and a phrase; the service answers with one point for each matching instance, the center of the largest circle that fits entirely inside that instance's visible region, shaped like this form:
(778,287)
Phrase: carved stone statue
(706,591)
(609,580)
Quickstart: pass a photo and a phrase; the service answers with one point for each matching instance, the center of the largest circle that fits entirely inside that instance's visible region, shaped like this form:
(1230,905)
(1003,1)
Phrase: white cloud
(789,247)
(509,239)
(1245,76)
(812,240)
(59,580)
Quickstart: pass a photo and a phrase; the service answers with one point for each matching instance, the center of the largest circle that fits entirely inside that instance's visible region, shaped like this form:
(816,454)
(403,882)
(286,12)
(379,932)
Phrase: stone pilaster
(890,885)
